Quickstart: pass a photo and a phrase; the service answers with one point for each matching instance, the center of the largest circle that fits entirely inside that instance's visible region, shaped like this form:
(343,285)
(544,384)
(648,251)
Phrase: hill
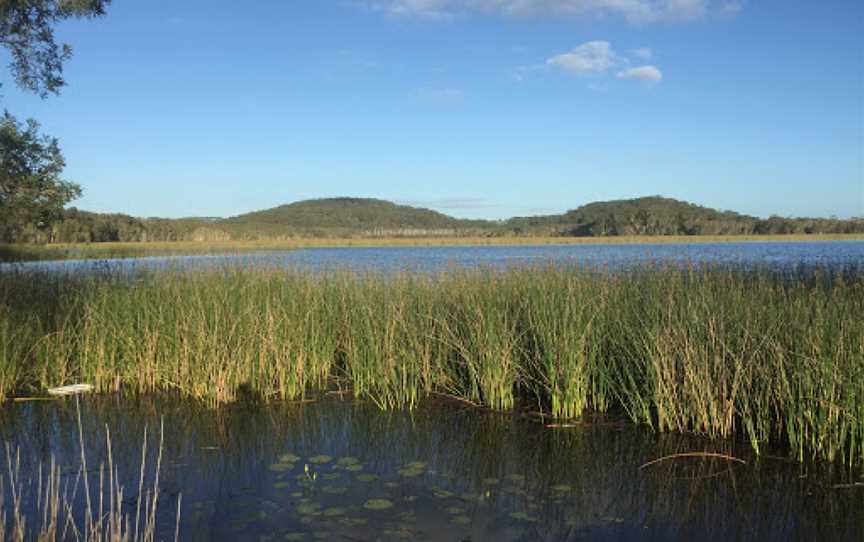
(351,215)
(366,218)
(653,215)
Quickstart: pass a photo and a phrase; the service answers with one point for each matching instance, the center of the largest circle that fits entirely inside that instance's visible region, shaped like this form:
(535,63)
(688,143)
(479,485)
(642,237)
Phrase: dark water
(444,472)
(432,259)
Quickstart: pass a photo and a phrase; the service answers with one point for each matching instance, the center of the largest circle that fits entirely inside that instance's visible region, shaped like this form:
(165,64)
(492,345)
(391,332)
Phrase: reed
(776,358)
(50,505)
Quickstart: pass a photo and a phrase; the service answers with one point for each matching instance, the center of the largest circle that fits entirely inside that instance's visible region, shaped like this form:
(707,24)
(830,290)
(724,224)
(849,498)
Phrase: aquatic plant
(50,506)
(777,357)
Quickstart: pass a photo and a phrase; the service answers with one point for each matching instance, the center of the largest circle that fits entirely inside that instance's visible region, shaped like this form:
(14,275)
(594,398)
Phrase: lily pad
(289,458)
(334,490)
(461,520)
(442,493)
(367,477)
(320,459)
(378,504)
(333,512)
(308,509)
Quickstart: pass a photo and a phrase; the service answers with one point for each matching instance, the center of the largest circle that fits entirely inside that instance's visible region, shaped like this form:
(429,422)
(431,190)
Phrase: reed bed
(773,357)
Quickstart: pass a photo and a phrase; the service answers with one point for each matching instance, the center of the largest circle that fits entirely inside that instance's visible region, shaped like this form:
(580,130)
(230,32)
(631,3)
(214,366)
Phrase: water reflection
(335,470)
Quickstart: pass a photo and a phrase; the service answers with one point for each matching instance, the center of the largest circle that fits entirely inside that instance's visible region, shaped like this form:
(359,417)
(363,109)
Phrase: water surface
(334,470)
(434,259)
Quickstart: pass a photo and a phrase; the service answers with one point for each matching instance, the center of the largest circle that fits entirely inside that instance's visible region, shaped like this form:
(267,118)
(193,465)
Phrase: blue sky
(477,108)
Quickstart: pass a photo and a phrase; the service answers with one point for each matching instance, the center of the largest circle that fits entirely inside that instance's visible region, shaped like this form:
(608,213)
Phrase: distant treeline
(364,218)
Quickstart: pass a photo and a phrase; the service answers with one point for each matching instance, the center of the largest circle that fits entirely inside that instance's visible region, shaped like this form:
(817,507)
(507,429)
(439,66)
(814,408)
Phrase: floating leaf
(460,520)
(491,481)
(378,504)
(308,509)
(289,458)
(334,490)
(320,459)
(367,477)
(333,512)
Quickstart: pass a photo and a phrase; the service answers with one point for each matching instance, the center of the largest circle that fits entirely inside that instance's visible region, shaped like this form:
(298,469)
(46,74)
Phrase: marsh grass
(774,357)
(52,505)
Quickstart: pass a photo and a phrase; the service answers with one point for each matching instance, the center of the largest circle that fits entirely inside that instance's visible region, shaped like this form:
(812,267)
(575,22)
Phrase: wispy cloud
(598,59)
(633,11)
(440,96)
(643,53)
(588,58)
(646,74)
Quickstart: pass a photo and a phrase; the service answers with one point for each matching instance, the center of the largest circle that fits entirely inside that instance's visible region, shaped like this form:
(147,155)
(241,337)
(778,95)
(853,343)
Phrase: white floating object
(74,389)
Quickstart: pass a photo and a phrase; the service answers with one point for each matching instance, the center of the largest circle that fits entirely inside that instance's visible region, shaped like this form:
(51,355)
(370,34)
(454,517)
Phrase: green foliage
(720,352)
(371,217)
(26,31)
(657,215)
(32,193)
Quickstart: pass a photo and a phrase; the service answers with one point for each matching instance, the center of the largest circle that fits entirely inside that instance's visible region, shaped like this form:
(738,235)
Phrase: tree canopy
(27,33)
(31,190)
(32,193)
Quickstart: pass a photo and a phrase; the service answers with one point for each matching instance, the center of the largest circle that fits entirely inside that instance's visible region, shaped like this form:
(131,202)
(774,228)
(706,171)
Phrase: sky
(476,108)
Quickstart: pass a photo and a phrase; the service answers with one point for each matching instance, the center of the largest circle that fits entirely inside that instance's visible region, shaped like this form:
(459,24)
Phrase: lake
(339,470)
(434,259)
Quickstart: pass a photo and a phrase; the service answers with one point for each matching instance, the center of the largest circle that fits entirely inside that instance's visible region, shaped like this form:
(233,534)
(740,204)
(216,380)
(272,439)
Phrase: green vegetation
(353,218)
(665,216)
(718,352)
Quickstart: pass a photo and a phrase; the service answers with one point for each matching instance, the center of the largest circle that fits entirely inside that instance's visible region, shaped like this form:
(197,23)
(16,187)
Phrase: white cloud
(440,96)
(645,74)
(634,11)
(644,53)
(588,58)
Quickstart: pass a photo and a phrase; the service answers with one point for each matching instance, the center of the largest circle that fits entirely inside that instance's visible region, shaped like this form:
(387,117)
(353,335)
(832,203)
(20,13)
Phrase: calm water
(431,259)
(442,473)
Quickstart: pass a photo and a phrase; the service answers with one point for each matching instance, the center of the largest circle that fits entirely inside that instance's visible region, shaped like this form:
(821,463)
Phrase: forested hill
(351,215)
(354,217)
(653,215)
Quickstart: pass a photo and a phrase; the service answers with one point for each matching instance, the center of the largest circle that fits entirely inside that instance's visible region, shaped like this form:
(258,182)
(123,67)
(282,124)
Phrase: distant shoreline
(103,250)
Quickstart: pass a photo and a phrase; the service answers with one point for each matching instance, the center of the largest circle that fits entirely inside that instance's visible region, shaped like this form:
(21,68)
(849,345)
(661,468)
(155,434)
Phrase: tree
(31,190)
(26,31)
(32,194)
